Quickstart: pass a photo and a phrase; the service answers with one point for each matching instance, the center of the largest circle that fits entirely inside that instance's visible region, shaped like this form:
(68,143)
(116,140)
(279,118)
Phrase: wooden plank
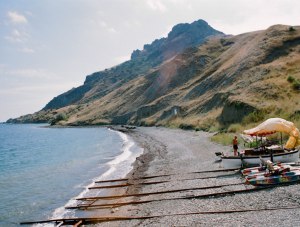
(124,218)
(126,179)
(110,186)
(155,193)
(158,182)
(165,175)
(215,171)
(113,180)
(126,185)
(99,206)
(78,223)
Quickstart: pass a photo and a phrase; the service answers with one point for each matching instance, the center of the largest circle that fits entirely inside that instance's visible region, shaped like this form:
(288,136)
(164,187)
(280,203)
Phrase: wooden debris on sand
(87,220)
(92,205)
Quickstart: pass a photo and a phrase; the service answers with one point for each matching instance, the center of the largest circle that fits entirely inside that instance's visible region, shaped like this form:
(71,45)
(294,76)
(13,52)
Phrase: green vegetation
(255,116)
(234,128)
(292,29)
(223,138)
(290,79)
(295,83)
(59,117)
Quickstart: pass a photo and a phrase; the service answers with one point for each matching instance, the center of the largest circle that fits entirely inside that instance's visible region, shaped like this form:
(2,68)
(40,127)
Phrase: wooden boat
(270,179)
(252,157)
(275,154)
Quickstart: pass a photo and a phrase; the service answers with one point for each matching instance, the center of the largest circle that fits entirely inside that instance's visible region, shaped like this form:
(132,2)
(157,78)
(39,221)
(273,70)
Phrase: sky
(49,46)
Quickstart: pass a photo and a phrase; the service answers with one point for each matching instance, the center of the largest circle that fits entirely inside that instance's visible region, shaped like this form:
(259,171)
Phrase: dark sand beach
(179,153)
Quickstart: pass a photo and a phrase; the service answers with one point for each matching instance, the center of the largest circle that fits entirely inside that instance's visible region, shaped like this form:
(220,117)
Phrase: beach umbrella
(273,125)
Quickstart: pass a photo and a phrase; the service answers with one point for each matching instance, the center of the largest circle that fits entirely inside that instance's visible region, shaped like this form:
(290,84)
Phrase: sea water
(43,169)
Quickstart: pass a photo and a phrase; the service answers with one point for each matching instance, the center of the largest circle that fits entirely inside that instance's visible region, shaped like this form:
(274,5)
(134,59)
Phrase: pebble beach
(184,158)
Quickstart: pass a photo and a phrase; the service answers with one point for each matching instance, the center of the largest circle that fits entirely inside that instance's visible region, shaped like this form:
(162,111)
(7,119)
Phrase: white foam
(119,167)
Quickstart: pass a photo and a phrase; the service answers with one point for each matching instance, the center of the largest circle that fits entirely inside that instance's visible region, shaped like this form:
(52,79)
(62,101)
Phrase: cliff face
(101,83)
(220,81)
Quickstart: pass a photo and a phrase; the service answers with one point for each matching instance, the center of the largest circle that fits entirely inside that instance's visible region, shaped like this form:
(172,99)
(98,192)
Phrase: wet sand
(179,153)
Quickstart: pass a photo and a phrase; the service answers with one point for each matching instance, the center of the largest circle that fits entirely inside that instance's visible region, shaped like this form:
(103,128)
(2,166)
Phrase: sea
(43,169)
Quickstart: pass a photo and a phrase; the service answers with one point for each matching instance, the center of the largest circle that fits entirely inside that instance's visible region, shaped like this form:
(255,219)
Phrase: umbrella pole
(256,142)
(281,140)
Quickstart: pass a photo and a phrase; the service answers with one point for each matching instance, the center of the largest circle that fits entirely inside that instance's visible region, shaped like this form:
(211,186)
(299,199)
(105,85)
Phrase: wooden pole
(281,140)
(256,142)
(165,175)
(78,223)
(88,220)
(109,205)
(155,193)
(126,185)
(157,182)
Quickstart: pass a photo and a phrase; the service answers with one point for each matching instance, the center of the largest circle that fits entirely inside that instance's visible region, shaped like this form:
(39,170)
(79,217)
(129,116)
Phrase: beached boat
(262,169)
(269,179)
(251,157)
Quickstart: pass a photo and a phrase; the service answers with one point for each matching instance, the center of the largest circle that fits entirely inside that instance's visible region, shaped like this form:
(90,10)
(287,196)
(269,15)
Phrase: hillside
(101,83)
(212,84)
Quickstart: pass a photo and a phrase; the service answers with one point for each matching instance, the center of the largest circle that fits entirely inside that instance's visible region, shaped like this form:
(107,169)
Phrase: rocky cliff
(205,81)
(101,83)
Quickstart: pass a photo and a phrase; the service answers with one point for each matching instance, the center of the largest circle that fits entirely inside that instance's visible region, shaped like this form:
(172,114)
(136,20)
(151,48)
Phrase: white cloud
(16,17)
(112,30)
(27,50)
(104,25)
(156,5)
(16,36)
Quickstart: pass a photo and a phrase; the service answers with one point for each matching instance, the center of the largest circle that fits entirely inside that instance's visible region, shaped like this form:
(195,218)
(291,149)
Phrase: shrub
(58,117)
(234,128)
(186,126)
(255,116)
(296,85)
(292,29)
(290,79)
(223,138)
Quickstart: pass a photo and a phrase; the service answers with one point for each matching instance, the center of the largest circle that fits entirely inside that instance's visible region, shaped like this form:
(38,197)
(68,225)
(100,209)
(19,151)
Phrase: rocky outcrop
(234,112)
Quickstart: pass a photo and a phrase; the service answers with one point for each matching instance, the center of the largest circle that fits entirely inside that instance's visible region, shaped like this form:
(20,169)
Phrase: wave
(119,167)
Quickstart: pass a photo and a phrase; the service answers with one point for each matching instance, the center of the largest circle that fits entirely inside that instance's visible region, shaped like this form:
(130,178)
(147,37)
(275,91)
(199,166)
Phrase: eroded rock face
(235,111)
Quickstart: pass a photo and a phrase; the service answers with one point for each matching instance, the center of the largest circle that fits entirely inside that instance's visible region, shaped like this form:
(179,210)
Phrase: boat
(274,153)
(271,179)
(252,158)
(263,169)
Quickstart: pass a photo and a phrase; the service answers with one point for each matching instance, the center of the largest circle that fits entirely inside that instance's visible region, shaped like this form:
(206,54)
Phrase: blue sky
(49,46)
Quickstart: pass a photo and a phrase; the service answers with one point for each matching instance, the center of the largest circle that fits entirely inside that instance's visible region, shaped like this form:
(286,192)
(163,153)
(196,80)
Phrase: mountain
(101,83)
(183,82)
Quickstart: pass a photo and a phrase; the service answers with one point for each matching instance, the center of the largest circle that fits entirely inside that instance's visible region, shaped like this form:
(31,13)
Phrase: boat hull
(229,162)
(288,177)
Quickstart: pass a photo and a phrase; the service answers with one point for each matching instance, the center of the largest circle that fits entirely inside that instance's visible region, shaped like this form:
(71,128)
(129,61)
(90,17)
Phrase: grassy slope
(241,78)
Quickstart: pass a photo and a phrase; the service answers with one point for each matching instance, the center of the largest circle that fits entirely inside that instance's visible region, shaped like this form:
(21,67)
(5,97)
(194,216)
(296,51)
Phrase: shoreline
(129,149)
(181,152)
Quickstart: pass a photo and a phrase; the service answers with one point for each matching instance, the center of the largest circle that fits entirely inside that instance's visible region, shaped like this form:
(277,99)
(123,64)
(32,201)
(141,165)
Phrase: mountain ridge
(223,81)
(181,35)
